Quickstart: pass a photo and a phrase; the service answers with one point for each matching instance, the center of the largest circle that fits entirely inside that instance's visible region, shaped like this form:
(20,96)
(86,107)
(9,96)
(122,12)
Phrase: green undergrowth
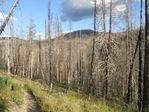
(10,91)
(55,100)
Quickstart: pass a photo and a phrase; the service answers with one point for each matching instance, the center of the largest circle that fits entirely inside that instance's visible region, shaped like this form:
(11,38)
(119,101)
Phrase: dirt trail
(30,105)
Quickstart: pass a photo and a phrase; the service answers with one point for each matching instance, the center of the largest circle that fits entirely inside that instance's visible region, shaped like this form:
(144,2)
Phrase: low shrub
(5,83)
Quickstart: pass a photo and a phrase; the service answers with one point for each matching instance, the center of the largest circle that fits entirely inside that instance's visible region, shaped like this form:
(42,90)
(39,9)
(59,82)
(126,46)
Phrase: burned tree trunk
(8,17)
(140,63)
(91,80)
(146,60)
(49,45)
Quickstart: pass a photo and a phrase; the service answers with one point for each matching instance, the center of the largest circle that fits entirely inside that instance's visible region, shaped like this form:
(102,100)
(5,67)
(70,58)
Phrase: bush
(5,83)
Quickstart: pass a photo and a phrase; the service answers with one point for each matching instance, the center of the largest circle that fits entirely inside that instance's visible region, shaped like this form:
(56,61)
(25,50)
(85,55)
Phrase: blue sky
(79,11)
(39,11)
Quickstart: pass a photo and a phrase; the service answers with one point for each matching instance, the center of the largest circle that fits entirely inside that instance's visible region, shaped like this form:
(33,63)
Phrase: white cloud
(66,32)
(41,35)
(121,7)
(3,17)
(38,34)
(77,10)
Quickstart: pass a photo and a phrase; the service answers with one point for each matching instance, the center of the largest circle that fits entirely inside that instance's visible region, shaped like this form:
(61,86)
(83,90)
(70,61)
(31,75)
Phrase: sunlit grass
(10,91)
(53,100)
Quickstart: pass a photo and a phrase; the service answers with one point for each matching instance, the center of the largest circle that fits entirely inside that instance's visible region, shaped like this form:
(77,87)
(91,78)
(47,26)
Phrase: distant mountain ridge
(8,38)
(86,33)
(5,38)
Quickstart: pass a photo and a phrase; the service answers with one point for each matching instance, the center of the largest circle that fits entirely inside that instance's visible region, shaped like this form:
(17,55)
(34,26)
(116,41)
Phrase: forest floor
(18,94)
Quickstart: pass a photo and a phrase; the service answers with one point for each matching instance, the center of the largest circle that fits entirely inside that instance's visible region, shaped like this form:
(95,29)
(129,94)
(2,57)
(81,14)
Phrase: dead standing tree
(31,34)
(128,54)
(140,62)
(91,80)
(70,56)
(146,60)
(108,67)
(3,27)
(8,17)
(49,45)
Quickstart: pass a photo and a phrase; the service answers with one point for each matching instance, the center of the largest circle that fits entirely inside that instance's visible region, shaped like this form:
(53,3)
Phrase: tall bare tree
(91,80)
(140,62)
(146,61)
(70,55)
(8,17)
(50,44)
(31,35)
(109,49)
(128,52)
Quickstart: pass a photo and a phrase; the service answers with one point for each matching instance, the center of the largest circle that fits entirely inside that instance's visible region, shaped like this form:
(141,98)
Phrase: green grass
(10,91)
(51,100)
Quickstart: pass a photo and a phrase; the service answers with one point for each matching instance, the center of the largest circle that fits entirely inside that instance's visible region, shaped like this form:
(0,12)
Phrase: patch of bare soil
(30,105)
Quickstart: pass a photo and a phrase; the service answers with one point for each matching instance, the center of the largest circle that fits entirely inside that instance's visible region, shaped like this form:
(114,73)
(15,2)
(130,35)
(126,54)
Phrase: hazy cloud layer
(77,10)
